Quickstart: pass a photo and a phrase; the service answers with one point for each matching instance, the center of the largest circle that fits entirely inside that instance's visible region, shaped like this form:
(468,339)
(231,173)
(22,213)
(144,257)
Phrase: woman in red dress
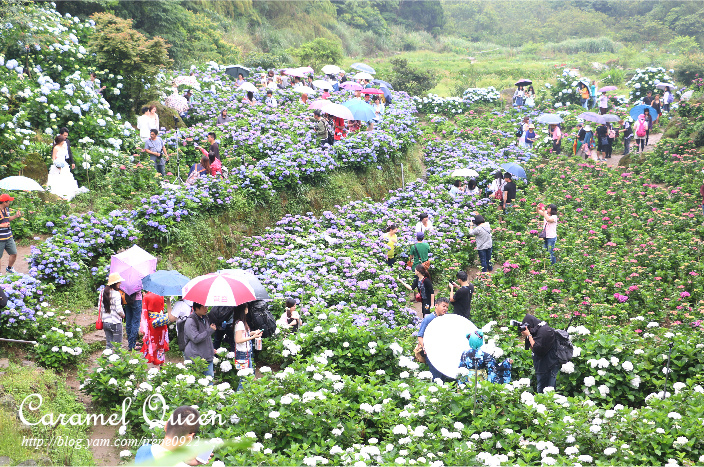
(156,332)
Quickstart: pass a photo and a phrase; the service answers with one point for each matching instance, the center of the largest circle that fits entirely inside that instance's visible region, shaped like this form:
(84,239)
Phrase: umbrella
(611,118)
(337,110)
(218,289)
(665,86)
(249,87)
(591,117)
(373,91)
(514,169)
(608,88)
(363,75)
(305,69)
(352,86)
(318,104)
(331,69)
(294,72)
(636,111)
(387,93)
(445,340)
(20,183)
(320,84)
(363,67)
(177,102)
(259,291)
(380,83)
(464,173)
(165,283)
(236,70)
(133,264)
(549,119)
(304,90)
(523,82)
(360,110)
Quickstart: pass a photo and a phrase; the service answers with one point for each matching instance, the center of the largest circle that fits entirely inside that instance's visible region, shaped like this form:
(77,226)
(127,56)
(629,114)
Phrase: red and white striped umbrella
(218,290)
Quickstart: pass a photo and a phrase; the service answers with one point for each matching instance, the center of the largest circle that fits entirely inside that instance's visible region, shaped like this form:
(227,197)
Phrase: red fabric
(156,341)
(339,128)
(215,167)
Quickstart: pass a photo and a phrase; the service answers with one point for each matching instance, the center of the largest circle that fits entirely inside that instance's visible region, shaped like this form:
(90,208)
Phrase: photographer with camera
(540,338)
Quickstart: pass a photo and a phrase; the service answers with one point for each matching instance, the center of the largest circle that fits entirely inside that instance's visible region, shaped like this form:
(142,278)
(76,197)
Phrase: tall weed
(587,45)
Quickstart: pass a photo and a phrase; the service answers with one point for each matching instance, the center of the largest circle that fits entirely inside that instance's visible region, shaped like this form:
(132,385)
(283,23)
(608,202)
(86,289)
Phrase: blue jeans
(550,246)
(485,259)
(626,146)
(133,316)
(209,371)
(584,103)
(240,355)
(547,379)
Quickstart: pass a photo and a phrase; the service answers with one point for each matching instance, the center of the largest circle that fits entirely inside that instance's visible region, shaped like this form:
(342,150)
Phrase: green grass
(16,384)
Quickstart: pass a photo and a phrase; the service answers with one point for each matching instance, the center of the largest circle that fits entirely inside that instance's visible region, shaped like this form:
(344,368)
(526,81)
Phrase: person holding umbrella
(656,104)
(667,98)
(155,328)
(518,97)
(584,93)
(110,306)
(321,130)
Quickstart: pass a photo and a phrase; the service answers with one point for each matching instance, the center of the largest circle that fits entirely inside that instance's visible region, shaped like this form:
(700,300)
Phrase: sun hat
(531,126)
(114,278)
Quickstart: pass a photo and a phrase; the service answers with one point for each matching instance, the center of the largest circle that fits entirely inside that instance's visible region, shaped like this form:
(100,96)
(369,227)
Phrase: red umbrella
(218,289)
(372,91)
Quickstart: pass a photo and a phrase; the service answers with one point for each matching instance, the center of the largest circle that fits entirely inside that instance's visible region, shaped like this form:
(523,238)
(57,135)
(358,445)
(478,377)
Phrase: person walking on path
(641,129)
(424,284)
(550,228)
(462,299)
(667,99)
(481,229)
(579,140)
(627,136)
(198,332)
(612,134)
(132,306)
(603,103)
(592,93)
(7,241)
(602,138)
(112,312)
(556,135)
(154,326)
(157,150)
(584,93)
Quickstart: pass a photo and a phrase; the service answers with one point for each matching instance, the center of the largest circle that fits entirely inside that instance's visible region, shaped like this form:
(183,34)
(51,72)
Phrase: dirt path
(652,142)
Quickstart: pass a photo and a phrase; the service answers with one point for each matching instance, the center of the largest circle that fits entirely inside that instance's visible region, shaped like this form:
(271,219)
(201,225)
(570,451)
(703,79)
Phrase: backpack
(519,132)
(563,346)
(261,318)
(221,314)
(181,332)
(642,129)
(670,98)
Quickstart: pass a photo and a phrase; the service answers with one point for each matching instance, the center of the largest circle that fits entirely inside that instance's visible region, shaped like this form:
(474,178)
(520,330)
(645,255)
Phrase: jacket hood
(531,321)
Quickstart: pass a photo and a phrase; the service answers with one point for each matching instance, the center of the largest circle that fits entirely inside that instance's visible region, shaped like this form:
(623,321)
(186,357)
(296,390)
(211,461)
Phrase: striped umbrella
(218,289)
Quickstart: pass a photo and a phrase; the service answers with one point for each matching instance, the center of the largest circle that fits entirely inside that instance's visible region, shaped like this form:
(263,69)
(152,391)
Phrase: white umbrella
(465,173)
(665,85)
(331,69)
(445,340)
(304,90)
(248,87)
(20,183)
(363,75)
(320,84)
(337,110)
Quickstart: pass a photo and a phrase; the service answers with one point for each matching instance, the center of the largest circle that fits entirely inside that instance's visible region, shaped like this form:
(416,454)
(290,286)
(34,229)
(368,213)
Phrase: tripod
(178,150)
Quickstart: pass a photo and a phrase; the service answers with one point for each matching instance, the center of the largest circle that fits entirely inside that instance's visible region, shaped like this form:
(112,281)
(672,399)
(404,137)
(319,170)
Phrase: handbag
(99,321)
(419,298)
(241,364)
(542,233)
(426,265)
(418,352)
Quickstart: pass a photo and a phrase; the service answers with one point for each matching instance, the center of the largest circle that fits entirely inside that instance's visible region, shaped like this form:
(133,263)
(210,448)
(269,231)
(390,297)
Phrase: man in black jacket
(70,161)
(540,338)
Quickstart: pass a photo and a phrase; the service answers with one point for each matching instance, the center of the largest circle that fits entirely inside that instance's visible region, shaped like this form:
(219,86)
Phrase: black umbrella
(523,82)
(260,292)
(235,70)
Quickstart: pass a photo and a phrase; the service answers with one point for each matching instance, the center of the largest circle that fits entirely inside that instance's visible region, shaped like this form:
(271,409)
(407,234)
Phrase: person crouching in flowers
(290,319)
(477,359)
(154,326)
(199,342)
(112,312)
(243,338)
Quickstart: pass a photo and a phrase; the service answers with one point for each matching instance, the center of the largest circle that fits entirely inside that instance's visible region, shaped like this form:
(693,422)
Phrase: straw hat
(114,278)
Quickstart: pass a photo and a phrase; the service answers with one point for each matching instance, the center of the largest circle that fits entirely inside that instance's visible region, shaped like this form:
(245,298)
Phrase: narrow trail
(652,142)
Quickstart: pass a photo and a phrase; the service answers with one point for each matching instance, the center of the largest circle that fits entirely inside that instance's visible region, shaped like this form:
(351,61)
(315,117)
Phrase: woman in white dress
(61,181)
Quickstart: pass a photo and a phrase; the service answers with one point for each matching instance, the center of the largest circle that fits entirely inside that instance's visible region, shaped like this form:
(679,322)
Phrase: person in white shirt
(424,225)
(270,99)
(179,310)
(111,311)
(290,319)
(144,124)
(550,226)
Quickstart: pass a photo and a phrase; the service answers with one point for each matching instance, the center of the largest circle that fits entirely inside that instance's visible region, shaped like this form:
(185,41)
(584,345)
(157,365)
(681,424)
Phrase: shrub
(267,61)
(414,81)
(646,80)
(318,52)
(687,70)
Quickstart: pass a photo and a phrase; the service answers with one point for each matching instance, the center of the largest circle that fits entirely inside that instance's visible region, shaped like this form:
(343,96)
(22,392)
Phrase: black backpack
(563,346)
(181,331)
(220,314)
(261,318)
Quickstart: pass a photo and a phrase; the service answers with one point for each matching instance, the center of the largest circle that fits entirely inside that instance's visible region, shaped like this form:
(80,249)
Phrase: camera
(520,327)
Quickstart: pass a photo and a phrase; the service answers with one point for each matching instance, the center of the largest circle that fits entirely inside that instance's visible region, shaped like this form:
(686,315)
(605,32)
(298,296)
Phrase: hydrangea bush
(645,80)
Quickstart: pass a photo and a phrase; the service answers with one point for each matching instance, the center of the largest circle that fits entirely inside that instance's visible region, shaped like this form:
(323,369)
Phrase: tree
(318,52)
(414,81)
(126,52)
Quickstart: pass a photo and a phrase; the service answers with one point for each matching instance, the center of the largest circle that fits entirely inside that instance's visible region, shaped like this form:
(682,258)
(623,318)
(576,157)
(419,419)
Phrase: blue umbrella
(387,93)
(165,283)
(514,169)
(363,67)
(383,83)
(20,183)
(550,119)
(638,111)
(360,110)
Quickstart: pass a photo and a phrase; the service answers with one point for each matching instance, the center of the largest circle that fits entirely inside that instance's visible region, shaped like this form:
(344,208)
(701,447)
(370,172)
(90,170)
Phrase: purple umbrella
(608,88)
(133,265)
(352,86)
(592,117)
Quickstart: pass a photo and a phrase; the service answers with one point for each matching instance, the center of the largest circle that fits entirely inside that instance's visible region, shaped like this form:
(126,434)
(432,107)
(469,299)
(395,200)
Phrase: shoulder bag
(99,321)
(542,233)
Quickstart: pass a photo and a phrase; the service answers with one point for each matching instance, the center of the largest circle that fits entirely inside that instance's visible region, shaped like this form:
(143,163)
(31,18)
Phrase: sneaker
(11,270)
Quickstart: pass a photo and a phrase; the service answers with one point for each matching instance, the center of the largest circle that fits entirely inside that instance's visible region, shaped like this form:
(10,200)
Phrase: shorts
(9,246)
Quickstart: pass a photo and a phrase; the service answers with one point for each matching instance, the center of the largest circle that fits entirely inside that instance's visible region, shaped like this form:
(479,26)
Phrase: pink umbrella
(608,88)
(352,86)
(372,91)
(133,265)
(318,104)
(219,290)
